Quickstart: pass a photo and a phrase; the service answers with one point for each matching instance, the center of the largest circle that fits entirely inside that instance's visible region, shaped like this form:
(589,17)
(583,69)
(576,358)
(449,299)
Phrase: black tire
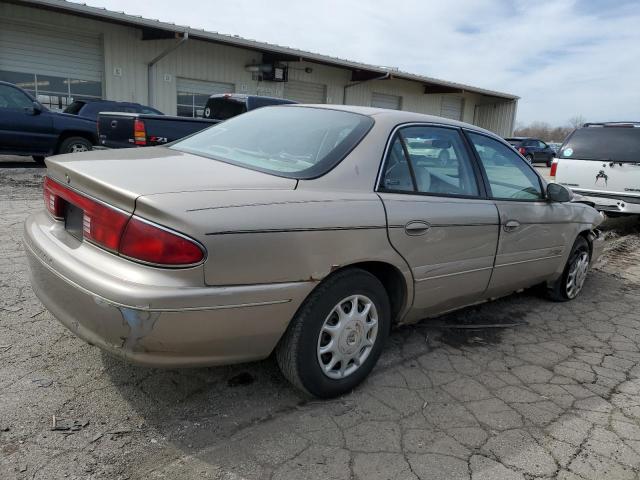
(529,158)
(549,162)
(39,159)
(75,144)
(297,352)
(559,291)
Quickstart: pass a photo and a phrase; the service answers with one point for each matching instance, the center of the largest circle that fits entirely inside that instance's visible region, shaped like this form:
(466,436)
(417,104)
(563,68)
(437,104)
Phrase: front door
(534,233)
(21,129)
(437,217)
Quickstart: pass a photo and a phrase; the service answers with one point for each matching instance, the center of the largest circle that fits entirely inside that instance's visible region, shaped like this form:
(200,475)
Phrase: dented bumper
(152,316)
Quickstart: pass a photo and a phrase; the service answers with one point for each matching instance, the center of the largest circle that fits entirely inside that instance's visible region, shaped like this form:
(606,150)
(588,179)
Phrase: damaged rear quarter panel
(273,236)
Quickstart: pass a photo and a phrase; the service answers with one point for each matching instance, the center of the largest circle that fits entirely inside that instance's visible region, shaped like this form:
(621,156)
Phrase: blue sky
(563,57)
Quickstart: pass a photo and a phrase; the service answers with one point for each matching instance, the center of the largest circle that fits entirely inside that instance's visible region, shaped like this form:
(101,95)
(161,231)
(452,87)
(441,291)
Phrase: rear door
(601,159)
(438,218)
(534,233)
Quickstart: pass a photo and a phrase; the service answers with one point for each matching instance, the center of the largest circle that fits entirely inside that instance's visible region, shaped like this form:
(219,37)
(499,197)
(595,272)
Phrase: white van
(602,162)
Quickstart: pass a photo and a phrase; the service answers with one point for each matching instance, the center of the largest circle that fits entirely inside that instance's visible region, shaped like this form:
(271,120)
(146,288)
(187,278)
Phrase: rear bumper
(613,203)
(153,325)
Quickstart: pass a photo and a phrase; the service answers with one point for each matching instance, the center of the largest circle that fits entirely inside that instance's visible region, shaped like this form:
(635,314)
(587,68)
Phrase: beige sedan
(305,230)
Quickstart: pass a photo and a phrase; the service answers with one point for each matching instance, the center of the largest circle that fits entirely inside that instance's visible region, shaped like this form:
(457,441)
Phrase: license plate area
(73,220)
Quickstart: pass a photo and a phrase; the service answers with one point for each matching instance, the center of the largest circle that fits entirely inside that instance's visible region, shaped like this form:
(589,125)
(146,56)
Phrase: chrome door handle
(511,225)
(416,227)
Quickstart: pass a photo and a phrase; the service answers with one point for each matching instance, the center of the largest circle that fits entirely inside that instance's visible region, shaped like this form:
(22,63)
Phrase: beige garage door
(383,100)
(305,92)
(452,107)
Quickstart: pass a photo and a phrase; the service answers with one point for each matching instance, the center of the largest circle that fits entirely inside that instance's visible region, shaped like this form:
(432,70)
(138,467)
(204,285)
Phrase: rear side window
(437,164)
(223,108)
(610,144)
(74,108)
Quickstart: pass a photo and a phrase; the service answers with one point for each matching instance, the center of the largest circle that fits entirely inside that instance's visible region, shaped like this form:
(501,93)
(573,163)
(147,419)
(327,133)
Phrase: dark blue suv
(533,149)
(28,128)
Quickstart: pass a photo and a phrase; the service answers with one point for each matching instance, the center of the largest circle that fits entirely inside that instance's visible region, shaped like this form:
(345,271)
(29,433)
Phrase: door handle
(511,225)
(416,227)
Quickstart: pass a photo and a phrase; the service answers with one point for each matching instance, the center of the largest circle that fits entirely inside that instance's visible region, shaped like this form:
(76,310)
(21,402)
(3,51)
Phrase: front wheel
(337,335)
(570,283)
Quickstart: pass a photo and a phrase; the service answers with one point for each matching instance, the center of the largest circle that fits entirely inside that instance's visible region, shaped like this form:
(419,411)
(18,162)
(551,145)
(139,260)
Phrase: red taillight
(148,243)
(522,151)
(52,202)
(139,132)
(554,167)
(100,224)
(121,233)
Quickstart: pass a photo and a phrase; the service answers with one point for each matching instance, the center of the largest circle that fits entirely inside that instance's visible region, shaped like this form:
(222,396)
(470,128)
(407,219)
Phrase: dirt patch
(621,256)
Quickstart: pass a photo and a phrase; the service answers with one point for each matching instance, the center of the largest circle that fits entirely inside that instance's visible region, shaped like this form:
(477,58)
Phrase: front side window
(13,98)
(510,177)
(437,161)
(294,142)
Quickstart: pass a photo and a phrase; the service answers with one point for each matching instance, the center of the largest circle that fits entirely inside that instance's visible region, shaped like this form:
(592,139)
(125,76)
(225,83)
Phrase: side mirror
(34,109)
(558,193)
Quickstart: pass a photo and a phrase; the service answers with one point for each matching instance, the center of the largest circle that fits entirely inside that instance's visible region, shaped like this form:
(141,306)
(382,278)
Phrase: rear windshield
(223,108)
(294,142)
(74,108)
(612,144)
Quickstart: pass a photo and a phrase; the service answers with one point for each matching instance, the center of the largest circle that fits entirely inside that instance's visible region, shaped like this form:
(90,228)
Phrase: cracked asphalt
(555,397)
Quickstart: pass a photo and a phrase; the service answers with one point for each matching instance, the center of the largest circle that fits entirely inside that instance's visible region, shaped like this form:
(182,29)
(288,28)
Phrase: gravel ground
(557,397)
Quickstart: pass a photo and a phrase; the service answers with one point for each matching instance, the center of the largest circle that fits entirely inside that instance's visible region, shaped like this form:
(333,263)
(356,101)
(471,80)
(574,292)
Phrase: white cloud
(563,57)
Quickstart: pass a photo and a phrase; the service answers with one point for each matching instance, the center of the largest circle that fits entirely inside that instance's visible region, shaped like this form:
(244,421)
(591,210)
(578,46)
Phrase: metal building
(61,51)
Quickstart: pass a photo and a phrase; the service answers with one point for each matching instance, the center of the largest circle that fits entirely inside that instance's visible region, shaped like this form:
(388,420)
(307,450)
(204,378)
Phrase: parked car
(533,149)
(305,230)
(128,130)
(28,128)
(91,108)
(602,162)
(555,146)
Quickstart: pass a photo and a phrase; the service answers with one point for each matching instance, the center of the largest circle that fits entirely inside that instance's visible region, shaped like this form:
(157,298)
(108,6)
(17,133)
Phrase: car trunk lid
(119,177)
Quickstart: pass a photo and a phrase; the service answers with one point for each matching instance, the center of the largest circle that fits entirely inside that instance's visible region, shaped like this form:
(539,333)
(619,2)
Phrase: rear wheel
(529,158)
(570,283)
(74,145)
(39,159)
(337,335)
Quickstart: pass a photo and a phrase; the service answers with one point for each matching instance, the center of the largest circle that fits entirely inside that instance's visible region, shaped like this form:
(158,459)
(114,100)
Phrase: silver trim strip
(527,261)
(453,274)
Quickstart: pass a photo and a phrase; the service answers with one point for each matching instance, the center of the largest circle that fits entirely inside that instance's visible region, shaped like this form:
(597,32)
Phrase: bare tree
(577,121)
(546,132)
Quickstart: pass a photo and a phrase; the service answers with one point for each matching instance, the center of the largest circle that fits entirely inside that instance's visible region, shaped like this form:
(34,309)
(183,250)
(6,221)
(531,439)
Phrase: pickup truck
(129,130)
(28,128)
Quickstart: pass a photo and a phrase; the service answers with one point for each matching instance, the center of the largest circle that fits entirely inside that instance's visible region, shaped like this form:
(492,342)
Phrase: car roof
(397,116)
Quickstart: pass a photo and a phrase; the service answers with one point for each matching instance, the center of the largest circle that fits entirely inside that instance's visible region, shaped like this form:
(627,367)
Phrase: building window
(54,92)
(191,104)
